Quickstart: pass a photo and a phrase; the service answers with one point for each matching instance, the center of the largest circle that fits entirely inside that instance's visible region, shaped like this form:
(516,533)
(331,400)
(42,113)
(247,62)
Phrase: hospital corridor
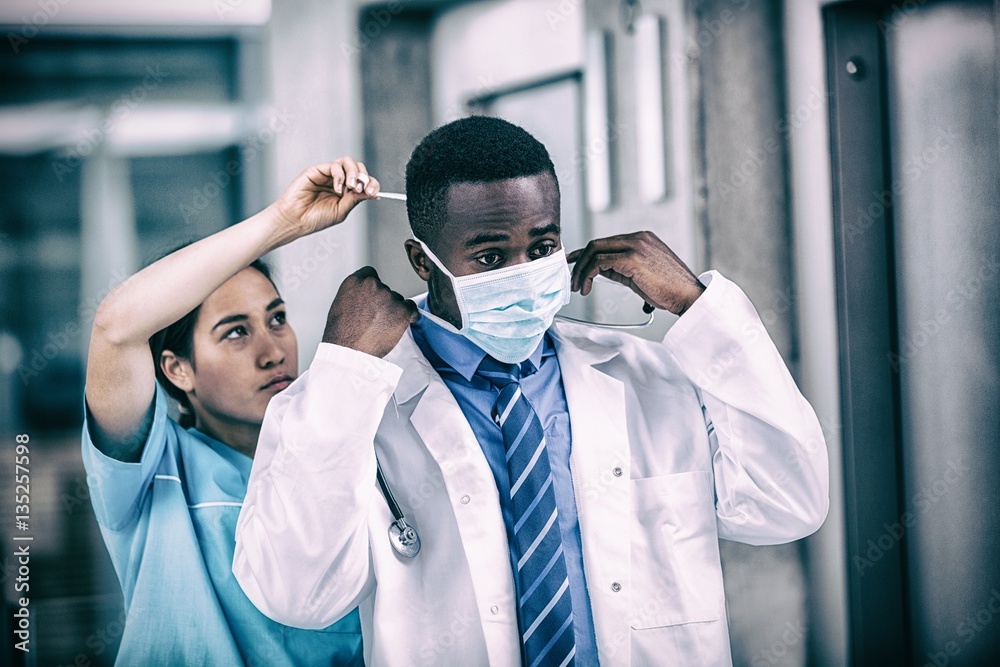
(835,161)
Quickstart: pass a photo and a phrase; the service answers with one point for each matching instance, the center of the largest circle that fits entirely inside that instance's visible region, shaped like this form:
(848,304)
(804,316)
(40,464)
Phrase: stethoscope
(402,536)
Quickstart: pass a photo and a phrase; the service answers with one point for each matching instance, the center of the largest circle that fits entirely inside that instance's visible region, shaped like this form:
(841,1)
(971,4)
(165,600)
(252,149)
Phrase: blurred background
(838,160)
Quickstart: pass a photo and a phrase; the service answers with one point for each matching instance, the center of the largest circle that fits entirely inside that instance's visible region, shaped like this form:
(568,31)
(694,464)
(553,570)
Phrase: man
(568,484)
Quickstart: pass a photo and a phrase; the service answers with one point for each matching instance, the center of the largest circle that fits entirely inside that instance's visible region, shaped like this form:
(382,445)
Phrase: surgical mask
(507,311)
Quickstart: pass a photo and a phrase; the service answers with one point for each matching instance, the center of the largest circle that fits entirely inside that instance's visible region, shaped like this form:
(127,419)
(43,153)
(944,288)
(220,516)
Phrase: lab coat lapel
(599,461)
(443,428)
(447,435)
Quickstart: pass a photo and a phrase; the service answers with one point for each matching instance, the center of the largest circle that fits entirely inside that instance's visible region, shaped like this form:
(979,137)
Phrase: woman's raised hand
(323,195)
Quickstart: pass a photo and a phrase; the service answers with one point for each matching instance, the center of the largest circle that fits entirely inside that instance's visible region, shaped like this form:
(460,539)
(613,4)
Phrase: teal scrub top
(169,522)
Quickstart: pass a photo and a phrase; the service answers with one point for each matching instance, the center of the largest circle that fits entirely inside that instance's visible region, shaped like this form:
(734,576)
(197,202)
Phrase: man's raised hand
(642,262)
(368,316)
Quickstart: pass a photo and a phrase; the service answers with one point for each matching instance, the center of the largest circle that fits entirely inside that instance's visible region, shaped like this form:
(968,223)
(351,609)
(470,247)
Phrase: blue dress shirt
(544,390)
(169,522)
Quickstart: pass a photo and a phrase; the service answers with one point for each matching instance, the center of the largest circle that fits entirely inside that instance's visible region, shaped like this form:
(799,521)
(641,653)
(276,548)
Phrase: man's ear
(177,370)
(418,259)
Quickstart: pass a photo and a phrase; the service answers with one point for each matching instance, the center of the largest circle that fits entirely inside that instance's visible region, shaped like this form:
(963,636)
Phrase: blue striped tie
(546,608)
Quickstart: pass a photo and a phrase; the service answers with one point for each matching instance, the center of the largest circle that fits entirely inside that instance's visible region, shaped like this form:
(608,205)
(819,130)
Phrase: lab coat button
(466,499)
(617,471)
(615,586)
(495,609)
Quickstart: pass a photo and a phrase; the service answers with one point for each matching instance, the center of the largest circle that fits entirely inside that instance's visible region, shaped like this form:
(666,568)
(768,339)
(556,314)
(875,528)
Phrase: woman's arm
(120,373)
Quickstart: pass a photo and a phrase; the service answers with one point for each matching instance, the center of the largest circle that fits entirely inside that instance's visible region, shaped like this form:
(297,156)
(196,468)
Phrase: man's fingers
(582,258)
(409,308)
(412,311)
(596,267)
(585,256)
(616,243)
(609,265)
(586,269)
(366,272)
(642,262)
(585,262)
(613,268)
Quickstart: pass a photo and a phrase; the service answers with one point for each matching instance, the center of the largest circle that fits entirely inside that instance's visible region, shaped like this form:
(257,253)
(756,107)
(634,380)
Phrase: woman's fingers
(362,179)
(337,177)
(342,176)
(367,184)
(350,172)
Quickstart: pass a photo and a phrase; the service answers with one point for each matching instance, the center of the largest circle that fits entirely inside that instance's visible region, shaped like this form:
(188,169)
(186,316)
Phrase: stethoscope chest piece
(404,538)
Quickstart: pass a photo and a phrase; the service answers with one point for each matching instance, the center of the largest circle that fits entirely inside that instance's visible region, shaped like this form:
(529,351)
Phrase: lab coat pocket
(676,575)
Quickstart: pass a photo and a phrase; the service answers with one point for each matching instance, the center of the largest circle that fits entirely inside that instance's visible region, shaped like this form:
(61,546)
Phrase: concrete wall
(395,68)
(736,58)
(671,217)
(314,81)
(743,155)
(481,47)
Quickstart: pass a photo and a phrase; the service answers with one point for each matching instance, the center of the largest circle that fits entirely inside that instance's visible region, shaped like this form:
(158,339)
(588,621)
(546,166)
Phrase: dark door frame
(863,247)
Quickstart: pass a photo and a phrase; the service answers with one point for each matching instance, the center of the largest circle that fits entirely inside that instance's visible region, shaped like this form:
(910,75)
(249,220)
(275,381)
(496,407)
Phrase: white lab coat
(674,445)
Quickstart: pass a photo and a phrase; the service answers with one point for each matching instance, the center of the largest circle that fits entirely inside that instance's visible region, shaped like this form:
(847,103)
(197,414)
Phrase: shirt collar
(460,353)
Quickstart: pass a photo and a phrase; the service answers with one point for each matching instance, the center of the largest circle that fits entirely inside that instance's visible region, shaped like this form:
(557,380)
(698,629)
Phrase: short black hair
(475,149)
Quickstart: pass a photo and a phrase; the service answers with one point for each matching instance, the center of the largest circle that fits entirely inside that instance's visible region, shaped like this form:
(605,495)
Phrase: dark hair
(476,149)
(179,339)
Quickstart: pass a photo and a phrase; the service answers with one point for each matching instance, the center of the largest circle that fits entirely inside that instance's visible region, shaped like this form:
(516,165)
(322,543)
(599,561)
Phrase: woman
(166,496)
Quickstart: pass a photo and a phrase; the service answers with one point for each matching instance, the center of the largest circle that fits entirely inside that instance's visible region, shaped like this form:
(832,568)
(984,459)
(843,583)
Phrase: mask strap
(640,325)
(448,326)
(437,262)
(444,324)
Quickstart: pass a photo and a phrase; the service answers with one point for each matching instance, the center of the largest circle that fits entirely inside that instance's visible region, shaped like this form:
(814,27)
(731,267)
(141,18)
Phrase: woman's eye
(279,319)
(236,332)
(489,259)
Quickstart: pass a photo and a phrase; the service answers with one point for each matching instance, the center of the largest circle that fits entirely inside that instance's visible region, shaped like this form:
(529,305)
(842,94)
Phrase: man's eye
(543,251)
(236,332)
(489,258)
